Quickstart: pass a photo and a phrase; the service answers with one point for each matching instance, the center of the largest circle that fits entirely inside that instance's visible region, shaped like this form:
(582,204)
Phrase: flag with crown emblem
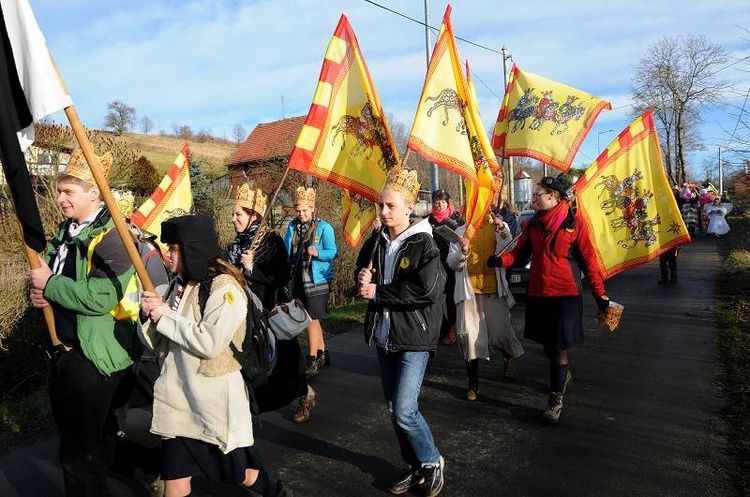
(626,203)
(345,139)
(447,129)
(544,119)
(172,198)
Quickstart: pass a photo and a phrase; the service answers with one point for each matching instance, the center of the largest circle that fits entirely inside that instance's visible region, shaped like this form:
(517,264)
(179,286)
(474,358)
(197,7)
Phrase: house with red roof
(262,158)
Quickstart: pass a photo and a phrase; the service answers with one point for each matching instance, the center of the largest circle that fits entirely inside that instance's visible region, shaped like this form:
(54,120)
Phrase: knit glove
(494,261)
(602,302)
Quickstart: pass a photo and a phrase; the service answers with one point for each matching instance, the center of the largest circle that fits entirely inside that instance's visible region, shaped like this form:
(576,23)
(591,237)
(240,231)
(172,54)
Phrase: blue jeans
(401,374)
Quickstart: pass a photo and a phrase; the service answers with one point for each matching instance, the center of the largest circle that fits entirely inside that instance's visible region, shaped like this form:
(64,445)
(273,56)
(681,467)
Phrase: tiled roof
(268,140)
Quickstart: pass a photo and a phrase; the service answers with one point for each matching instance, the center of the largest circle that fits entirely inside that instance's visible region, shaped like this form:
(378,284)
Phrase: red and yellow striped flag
(543,119)
(345,139)
(626,202)
(447,129)
(173,197)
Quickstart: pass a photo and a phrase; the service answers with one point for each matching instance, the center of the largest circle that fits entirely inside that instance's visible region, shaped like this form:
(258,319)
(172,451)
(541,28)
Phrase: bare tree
(120,117)
(146,125)
(239,132)
(676,78)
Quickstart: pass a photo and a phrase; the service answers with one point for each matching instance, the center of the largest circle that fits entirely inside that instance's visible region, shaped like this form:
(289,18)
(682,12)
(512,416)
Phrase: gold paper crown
(79,168)
(304,196)
(403,181)
(124,200)
(254,200)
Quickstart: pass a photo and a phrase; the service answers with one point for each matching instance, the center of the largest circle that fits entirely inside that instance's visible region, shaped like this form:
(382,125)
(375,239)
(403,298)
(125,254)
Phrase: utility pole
(721,175)
(433,167)
(510,160)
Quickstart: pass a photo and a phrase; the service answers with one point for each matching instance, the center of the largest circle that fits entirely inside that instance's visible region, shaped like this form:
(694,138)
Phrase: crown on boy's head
(125,201)
(79,168)
(404,181)
(304,196)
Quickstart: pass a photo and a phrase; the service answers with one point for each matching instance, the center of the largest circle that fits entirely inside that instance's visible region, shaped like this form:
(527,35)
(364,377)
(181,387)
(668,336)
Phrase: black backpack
(258,354)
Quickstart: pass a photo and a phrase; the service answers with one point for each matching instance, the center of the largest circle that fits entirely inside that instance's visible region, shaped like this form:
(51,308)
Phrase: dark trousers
(81,400)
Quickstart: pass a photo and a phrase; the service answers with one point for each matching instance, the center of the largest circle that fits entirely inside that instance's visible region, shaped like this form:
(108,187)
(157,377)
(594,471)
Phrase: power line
(421,23)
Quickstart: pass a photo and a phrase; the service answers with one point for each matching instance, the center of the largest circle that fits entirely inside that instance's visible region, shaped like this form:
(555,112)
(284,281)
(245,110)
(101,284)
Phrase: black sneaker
(407,479)
(433,478)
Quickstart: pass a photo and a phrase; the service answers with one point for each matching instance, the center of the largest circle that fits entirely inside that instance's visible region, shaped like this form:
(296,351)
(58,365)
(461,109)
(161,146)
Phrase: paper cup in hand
(611,318)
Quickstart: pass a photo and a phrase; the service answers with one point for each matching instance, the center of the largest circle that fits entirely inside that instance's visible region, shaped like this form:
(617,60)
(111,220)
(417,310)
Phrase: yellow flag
(447,128)
(626,202)
(487,183)
(357,215)
(173,197)
(345,139)
(544,119)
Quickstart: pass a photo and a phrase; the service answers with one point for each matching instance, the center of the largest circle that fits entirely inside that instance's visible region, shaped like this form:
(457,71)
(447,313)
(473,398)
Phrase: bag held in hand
(288,319)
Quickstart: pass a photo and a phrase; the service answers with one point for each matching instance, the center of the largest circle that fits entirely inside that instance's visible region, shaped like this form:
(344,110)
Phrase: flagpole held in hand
(101,182)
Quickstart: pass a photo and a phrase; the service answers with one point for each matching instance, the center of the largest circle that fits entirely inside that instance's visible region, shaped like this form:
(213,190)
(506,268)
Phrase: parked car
(518,275)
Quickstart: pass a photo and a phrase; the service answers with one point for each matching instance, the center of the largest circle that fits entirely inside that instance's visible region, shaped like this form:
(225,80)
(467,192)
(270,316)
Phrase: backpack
(258,355)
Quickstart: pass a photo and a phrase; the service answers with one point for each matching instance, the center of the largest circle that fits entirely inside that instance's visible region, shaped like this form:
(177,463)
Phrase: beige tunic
(483,321)
(187,402)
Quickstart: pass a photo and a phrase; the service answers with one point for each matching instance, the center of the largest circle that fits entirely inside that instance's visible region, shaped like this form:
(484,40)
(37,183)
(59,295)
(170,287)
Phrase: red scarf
(441,216)
(553,218)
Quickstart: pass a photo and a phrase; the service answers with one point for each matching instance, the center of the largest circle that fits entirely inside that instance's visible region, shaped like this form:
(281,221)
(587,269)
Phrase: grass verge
(733,297)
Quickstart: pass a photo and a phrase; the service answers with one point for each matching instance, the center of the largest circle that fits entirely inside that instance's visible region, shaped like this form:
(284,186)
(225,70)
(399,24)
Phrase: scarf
(241,242)
(441,216)
(553,218)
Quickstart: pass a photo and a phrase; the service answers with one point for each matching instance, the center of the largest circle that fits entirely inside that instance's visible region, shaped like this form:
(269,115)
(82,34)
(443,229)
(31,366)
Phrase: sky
(213,63)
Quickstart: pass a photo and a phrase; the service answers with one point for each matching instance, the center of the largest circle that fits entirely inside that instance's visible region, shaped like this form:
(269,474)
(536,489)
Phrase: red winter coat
(552,273)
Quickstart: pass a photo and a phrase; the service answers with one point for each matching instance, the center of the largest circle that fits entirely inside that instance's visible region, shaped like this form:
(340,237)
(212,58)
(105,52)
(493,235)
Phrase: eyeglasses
(537,195)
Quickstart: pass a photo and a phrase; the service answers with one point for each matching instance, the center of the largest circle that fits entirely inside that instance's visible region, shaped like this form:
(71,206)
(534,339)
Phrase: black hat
(438,194)
(555,184)
(198,241)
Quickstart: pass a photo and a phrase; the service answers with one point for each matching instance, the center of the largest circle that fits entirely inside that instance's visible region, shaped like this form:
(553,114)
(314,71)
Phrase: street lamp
(598,149)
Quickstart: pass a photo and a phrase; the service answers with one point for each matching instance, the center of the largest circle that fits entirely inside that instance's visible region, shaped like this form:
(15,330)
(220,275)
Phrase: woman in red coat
(555,239)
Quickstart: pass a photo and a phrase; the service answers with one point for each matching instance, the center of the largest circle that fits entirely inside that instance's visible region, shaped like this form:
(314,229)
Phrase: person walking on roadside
(311,244)
(261,255)
(444,214)
(89,282)
(403,283)
(484,300)
(555,238)
(201,402)
(717,217)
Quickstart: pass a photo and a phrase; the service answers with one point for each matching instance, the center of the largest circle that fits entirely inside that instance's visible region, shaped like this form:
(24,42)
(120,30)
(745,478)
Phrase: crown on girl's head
(254,200)
(79,168)
(304,196)
(125,201)
(403,181)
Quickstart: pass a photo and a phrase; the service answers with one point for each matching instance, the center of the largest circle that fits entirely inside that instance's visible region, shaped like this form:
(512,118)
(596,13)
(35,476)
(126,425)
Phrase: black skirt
(183,457)
(555,322)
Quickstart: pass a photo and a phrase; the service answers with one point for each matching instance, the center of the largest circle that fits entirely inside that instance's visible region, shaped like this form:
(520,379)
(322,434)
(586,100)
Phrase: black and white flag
(29,91)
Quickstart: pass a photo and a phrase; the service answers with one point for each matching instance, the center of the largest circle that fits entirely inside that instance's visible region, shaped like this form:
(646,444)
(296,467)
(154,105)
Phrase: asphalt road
(641,416)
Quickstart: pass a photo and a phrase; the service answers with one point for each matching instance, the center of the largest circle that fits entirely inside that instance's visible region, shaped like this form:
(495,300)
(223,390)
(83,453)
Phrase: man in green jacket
(88,280)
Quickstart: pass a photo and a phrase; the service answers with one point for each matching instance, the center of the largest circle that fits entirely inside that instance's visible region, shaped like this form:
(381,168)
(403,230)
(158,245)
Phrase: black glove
(494,261)
(602,302)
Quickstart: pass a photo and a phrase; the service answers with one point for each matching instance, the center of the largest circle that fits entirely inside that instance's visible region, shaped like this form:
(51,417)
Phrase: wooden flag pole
(88,152)
(123,229)
(49,318)
(257,239)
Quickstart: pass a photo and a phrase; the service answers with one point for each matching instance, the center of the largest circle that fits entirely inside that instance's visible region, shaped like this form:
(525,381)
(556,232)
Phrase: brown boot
(554,407)
(306,406)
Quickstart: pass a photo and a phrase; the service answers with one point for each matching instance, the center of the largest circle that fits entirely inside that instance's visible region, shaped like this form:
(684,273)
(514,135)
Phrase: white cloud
(212,63)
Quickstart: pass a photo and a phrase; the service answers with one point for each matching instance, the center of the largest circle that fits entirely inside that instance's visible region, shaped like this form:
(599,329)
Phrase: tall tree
(146,125)
(677,78)
(239,132)
(120,117)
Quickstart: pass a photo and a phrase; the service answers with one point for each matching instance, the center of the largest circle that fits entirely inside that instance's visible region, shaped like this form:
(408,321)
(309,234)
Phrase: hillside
(162,150)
